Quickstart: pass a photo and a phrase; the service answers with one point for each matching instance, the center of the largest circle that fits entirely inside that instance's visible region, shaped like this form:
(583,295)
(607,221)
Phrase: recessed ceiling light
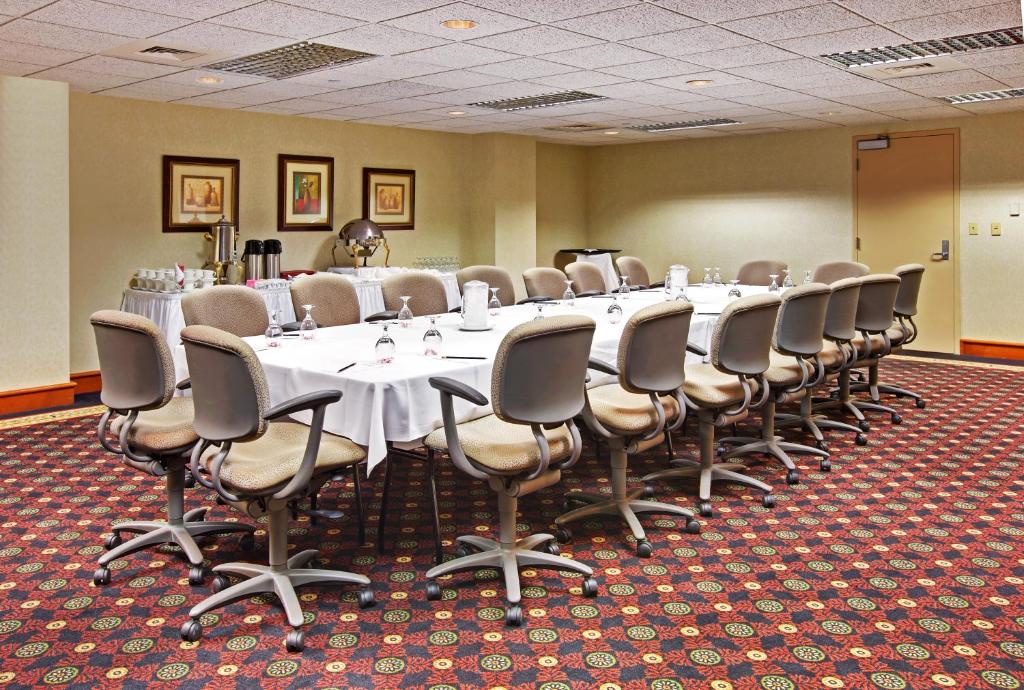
(458,24)
(699,82)
(612,131)
(210,80)
(456,112)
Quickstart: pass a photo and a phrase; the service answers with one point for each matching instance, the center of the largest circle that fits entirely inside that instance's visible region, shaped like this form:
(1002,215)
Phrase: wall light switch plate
(972,228)
(997,229)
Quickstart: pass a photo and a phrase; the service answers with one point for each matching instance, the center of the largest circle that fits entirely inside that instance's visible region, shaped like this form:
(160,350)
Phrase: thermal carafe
(253,259)
(271,258)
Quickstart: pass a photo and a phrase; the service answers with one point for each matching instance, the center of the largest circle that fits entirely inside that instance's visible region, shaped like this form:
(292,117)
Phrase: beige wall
(562,175)
(33,233)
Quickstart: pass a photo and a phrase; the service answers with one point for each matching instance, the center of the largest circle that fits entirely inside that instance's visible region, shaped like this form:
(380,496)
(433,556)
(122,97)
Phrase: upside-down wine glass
(807,277)
(624,287)
(718,277)
(405,313)
(707,277)
(787,281)
(493,307)
(384,350)
(307,329)
(274,332)
(432,340)
(569,296)
(774,287)
(734,291)
(614,311)
(540,310)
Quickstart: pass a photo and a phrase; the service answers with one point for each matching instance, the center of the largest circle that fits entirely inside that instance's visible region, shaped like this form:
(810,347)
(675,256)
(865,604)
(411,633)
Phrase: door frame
(955,239)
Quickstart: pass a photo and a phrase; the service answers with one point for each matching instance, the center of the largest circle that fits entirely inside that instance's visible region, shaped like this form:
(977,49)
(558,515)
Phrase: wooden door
(907,204)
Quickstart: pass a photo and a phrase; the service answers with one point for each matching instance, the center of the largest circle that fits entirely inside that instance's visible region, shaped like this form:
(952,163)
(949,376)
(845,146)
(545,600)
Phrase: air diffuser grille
(931,48)
(290,61)
(692,124)
(576,128)
(542,101)
(981,96)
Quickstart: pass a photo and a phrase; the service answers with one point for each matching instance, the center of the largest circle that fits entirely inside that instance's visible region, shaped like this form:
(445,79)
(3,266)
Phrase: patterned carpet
(902,568)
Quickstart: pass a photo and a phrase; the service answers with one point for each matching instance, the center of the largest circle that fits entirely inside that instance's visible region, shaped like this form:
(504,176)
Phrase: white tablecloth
(607,266)
(368,281)
(164,309)
(395,402)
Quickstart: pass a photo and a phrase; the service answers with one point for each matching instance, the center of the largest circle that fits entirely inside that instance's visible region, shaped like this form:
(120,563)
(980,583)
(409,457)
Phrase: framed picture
(305,192)
(198,191)
(389,197)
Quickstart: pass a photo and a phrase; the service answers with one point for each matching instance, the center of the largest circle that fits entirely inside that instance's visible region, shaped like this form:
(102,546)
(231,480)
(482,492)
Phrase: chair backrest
(585,277)
(876,302)
(801,321)
(333,295)
(759,272)
(237,309)
(426,290)
(495,277)
(910,286)
(837,270)
(229,391)
(135,363)
(540,370)
(634,269)
(841,315)
(741,342)
(652,350)
(544,282)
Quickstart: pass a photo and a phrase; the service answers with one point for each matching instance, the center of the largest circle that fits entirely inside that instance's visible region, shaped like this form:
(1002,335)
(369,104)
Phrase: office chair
(587,279)
(544,283)
(495,277)
(832,271)
(333,295)
(636,271)
(760,272)
(237,309)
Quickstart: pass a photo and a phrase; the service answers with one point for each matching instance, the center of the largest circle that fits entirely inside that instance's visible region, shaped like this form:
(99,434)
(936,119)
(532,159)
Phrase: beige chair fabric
(544,282)
(161,431)
(426,290)
(333,297)
(585,277)
(236,309)
(495,277)
(760,272)
(634,269)
(621,410)
(838,270)
(708,387)
(503,446)
(130,383)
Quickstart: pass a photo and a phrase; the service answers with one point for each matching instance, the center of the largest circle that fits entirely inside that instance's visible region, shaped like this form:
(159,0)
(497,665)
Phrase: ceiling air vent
(982,96)
(692,124)
(148,50)
(290,61)
(167,53)
(932,48)
(542,101)
(576,128)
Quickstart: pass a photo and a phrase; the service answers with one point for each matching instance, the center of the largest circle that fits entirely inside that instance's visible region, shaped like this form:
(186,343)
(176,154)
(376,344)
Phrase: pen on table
(461,357)
(347,366)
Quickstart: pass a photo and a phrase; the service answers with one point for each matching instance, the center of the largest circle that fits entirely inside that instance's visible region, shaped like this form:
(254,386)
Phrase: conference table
(394,403)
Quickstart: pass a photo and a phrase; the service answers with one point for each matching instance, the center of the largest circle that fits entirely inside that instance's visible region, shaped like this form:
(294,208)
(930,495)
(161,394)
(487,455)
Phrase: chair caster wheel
(247,542)
(195,575)
(101,576)
(864,425)
(365,598)
(692,526)
(589,587)
(861,440)
(191,631)
(721,450)
(768,501)
(433,591)
(648,491)
(821,445)
(219,583)
(190,481)
(514,616)
(461,551)
(644,549)
(113,541)
(825,465)
(792,477)
(552,548)
(563,535)
(295,642)
(920,404)
(896,419)
(705,508)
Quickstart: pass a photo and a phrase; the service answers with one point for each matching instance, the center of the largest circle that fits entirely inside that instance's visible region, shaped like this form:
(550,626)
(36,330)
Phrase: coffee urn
(224,255)
(253,259)
(271,258)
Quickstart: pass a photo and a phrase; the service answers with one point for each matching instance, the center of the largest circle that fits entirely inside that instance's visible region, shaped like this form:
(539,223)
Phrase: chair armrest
(458,389)
(308,401)
(659,284)
(604,368)
(696,349)
(184,384)
(590,293)
(381,316)
(536,298)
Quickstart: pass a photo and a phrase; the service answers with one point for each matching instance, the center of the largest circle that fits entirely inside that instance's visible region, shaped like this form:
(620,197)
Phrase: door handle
(944,254)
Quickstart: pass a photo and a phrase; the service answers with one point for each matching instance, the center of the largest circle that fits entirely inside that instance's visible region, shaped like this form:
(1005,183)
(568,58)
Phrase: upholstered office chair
(537,388)
(333,295)
(544,282)
(261,467)
(838,270)
(634,413)
(722,390)
(426,290)
(587,279)
(636,271)
(495,277)
(794,369)
(902,333)
(836,356)
(236,309)
(155,436)
(760,272)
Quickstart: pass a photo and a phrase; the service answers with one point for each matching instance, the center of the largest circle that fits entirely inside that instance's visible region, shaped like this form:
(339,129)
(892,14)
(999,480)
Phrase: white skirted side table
(602,258)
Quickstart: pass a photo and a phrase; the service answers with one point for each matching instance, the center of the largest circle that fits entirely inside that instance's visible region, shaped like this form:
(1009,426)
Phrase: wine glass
(494,306)
(668,285)
(405,313)
(274,332)
(432,339)
(614,311)
(707,277)
(624,287)
(787,280)
(807,277)
(569,296)
(774,287)
(718,277)
(385,347)
(307,329)
(734,291)
(540,310)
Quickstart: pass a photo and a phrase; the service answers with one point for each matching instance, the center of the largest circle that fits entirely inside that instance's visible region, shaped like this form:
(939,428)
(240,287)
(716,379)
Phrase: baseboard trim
(40,398)
(87,382)
(992,348)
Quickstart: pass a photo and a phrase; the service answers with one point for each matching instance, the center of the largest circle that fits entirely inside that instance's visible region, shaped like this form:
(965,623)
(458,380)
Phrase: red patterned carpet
(902,568)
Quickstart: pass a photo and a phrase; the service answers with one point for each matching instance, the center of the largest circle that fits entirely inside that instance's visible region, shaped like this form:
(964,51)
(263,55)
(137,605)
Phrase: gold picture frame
(305,188)
(197,192)
(389,197)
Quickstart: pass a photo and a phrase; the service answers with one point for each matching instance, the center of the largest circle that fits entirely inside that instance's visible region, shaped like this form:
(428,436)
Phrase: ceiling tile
(1010,75)
(459,79)
(700,39)
(629,22)
(155,91)
(653,69)
(39,55)
(487,22)
(603,55)
(754,54)
(987,58)
(552,10)
(18,69)
(629,90)
(536,40)
(863,85)
(53,36)
(889,11)
(772,98)
(285,20)
(717,79)
(860,38)
(524,68)
(111,19)
(375,11)
(986,18)
(189,9)
(86,81)
(894,99)
(270,91)
(294,105)
(724,10)
(385,91)
(102,64)
(228,80)
(372,71)
(379,39)
(214,37)
(584,79)
(212,100)
(672,98)
(931,113)
(460,55)
(800,22)
(947,83)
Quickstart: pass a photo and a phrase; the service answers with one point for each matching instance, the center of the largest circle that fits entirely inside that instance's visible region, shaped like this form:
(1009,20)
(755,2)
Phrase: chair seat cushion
(618,409)
(831,356)
(160,431)
(708,387)
(275,457)
(502,446)
(783,370)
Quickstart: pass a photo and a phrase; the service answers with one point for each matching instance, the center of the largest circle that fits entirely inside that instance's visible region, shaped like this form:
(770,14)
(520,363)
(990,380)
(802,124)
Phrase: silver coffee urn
(223,257)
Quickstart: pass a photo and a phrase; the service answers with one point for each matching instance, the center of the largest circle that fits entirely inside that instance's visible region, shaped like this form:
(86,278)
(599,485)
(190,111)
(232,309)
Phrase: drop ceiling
(762,59)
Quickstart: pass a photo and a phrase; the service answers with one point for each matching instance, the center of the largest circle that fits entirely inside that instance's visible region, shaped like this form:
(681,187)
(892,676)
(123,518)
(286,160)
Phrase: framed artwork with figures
(198,192)
(305,188)
(389,197)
